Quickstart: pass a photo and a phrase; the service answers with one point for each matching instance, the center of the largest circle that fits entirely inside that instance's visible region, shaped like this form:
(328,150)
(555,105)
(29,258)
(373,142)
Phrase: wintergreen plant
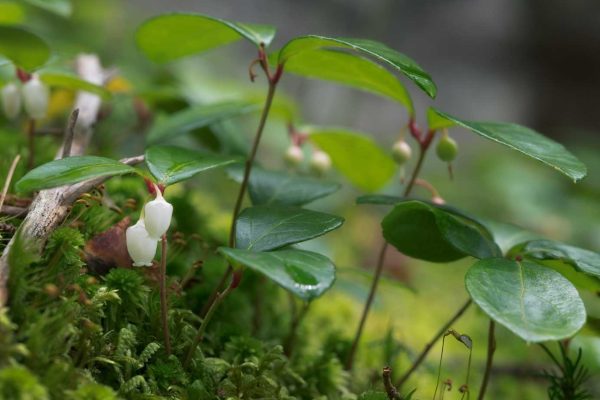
(109,329)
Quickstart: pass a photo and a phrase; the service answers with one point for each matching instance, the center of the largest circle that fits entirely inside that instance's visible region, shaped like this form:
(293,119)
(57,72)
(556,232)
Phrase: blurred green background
(532,62)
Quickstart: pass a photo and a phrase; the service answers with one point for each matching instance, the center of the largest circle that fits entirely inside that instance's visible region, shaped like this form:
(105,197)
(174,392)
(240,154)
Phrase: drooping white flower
(158,213)
(140,245)
(294,155)
(35,97)
(320,162)
(401,152)
(11,100)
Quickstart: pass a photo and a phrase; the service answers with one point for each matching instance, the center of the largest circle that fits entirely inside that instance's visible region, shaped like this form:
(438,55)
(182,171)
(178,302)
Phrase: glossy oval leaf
(264,228)
(534,302)
(11,13)
(427,232)
(582,260)
(273,187)
(71,81)
(526,141)
(171,36)
(23,48)
(197,117)
(304,273)
(351,70)
(71,170)
(58,7)
(371,48)
(170,164)
(356,156)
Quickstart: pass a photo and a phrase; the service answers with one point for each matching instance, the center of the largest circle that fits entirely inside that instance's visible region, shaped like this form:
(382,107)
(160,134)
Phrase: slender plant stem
(242,191)
(164,306)
(290,341)
(365,313)
(200,334)
(70,133)
(490,359)
(439,376)
(430,344)
(31,141)
(380,261)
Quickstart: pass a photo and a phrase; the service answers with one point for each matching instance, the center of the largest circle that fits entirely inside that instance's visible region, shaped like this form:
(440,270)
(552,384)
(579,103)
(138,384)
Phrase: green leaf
(380,199)
(58,7)
(11,13)
(436,234)
(528,142)
(507,236)
(71,81)
(271,187)
(197,117)
(371,48)
(304,273)
(171,36)
(534,302)
(171,164)
(436,122)
(355,156)
(71,170)
(264,228)
(23,48)
(351,70)
(582,260)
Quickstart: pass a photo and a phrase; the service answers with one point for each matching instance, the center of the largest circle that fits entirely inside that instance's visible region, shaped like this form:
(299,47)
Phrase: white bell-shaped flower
(158,213)
(35,97)
(140,245)
(320,162)
(11,100)
(294,155)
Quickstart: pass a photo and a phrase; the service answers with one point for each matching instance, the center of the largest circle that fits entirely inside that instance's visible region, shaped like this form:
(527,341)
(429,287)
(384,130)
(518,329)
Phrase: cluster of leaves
(75,334)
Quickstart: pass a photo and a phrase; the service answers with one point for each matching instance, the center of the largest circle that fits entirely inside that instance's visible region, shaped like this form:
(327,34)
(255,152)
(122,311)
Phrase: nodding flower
(158,213)
(11,100)
(140,245)
(320,162)
(35,97)
(294,155)
(401,152)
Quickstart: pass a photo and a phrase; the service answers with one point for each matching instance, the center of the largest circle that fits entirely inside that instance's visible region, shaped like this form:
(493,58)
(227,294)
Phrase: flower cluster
(153,224)
(33,94)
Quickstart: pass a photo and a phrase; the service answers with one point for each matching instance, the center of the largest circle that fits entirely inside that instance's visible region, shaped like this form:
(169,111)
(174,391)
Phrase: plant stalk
(432,342)
(490,359)
(424,146)
(290,341)
(164,306)
(200,334)
(31,143)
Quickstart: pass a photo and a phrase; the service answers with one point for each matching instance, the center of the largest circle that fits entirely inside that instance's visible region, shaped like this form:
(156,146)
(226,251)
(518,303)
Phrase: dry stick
(490,359)
(31,141)
(70,133)
(164,310)
(380,262)
(390,390)
(11,172)
(429,345)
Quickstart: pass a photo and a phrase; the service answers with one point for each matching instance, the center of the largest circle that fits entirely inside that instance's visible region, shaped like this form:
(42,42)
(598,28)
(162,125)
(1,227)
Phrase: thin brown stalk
(31,142)
(490,359)
(432,342)
(8,180)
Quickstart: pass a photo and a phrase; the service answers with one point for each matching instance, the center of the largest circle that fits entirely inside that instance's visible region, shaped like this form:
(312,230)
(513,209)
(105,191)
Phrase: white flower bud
(140,245)
(157,215)
(401,152)
(11,100)
(294,155)
(320,162)
(35,98)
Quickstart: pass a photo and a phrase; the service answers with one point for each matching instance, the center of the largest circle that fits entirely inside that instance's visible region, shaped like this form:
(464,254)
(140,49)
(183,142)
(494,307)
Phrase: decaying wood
(50,206)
